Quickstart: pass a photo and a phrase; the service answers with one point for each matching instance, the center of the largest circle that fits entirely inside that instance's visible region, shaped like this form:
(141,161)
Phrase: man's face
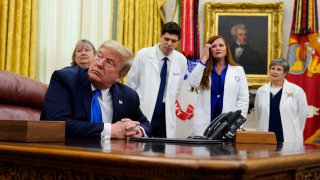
(104,70)
(168,42)
(241,36)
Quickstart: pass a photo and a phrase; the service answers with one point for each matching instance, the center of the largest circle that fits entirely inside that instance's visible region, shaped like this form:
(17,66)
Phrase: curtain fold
(64,22)
(138,23)
(18,36)
(3,31)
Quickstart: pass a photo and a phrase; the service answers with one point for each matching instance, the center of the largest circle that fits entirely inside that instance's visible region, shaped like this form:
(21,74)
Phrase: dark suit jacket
(69,99)
(250,59)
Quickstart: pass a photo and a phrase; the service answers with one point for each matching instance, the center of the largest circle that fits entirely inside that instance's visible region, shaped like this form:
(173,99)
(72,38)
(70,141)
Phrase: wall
(287,17)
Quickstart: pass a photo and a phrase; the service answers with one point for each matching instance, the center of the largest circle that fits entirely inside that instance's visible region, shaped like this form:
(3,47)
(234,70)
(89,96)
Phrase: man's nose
(99,62)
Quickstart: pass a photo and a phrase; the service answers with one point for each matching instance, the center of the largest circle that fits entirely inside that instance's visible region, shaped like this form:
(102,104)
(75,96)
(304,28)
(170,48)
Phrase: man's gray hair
(123,51)
(234,28)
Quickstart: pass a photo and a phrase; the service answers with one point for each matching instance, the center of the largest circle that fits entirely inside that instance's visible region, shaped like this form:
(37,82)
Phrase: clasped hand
(125,128)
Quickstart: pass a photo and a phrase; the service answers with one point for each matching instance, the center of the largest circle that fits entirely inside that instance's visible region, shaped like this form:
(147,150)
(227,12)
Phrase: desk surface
(119,158)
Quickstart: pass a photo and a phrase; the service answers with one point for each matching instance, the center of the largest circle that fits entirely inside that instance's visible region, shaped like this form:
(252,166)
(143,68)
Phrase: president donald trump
(92,102)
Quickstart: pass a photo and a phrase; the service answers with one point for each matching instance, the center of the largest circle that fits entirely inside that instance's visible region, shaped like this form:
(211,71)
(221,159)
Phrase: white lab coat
(144,77)
(236,96)
(293,111)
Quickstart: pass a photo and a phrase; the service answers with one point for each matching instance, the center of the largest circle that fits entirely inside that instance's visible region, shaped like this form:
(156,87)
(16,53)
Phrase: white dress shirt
(105,101)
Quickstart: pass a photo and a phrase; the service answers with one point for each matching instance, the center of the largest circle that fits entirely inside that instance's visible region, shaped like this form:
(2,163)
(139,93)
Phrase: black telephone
(223,127)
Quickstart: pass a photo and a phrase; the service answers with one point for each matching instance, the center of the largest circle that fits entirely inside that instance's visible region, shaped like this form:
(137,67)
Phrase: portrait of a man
(248,38)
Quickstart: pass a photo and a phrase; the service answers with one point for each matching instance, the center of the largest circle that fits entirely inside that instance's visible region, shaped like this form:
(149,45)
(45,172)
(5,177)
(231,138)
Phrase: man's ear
(119,78)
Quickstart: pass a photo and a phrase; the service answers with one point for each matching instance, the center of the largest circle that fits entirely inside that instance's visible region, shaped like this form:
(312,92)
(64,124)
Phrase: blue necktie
(163,77)
(96,115)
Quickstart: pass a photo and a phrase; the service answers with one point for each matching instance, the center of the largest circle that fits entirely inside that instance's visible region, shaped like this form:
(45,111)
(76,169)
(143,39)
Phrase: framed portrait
(253,32)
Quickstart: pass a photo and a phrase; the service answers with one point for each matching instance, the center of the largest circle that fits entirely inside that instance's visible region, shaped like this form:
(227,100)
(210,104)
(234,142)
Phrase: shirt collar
(104,92)
(160,54)
(214,70)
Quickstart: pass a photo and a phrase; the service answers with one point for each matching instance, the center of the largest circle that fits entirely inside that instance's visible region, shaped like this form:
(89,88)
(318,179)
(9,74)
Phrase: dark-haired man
(157,74)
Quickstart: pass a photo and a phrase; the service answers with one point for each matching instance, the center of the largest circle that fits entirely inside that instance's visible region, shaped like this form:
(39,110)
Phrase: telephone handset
(223,126)
(218,127)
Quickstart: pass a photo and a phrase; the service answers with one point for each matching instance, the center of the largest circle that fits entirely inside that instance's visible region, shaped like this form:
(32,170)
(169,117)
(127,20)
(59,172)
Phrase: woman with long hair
(220,82)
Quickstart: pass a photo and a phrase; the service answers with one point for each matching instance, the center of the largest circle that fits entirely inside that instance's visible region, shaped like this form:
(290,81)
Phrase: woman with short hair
(280,106)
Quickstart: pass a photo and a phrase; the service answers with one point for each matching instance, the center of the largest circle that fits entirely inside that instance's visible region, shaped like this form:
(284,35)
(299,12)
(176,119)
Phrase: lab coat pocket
(291,104)
(173,84)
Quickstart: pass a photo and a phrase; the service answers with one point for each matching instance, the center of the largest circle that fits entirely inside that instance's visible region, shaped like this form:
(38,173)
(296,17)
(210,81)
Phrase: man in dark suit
(247,57)
(70,98)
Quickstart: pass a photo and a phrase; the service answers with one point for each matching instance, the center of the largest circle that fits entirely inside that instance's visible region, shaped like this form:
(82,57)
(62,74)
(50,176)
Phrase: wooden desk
(93,159)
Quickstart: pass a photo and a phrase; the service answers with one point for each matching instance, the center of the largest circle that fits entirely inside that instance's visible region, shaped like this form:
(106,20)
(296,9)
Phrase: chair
(21,98)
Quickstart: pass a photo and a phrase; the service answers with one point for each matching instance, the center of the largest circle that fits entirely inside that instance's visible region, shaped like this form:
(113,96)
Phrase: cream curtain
(19,36)
(62,24)
(137,24)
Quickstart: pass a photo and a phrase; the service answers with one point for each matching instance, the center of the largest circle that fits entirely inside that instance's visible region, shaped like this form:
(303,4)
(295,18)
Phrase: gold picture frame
(264,24)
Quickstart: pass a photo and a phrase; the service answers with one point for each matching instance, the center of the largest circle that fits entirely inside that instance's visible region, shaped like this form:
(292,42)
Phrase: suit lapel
(85,92)
(174,69)
(153,57)
(266,98)
(117,102)
(284,95)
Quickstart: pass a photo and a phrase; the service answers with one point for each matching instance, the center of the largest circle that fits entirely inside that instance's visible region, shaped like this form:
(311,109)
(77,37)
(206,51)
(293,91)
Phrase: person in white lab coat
(281,106)
(221,84)
(157,96)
